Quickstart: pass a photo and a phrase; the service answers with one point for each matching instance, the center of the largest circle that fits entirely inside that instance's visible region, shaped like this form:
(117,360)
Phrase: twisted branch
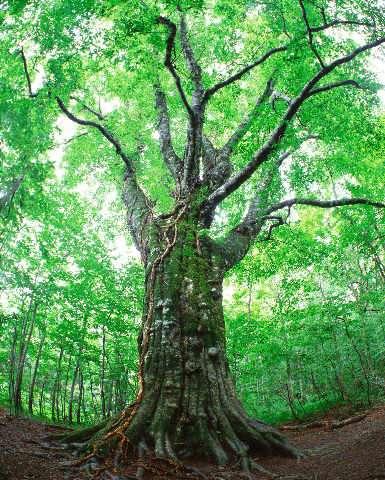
(237,76)
(169,64)
(265,151)
(323,203)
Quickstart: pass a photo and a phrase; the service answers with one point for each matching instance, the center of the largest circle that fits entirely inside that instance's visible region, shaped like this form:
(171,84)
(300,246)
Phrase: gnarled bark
(187,404)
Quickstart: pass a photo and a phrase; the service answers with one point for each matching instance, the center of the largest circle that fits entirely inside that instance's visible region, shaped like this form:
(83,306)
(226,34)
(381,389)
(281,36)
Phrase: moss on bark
(187,403)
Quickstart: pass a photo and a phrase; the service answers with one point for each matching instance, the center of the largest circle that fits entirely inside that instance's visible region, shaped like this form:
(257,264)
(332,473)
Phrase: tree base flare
(114,445)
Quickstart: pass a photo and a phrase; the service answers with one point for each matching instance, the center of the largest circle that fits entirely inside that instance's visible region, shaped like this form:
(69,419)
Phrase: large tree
(230,138)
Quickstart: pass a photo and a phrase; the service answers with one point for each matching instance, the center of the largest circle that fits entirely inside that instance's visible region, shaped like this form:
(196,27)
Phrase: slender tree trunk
(24,344)
(64,400)
(12,367)
(77,371)
(41,397)
(56,391)
(93,399)
(34,374)
(102,373)
(72,391)
(80,397)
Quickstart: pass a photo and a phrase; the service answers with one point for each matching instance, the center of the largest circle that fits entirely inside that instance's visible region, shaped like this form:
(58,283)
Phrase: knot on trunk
(213,352)
(195,343)
(192,366)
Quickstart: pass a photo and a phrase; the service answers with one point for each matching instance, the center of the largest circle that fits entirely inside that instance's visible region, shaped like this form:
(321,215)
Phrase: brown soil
(353,452)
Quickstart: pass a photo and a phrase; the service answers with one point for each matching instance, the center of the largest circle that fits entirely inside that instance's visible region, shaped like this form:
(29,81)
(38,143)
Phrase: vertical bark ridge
(186,402)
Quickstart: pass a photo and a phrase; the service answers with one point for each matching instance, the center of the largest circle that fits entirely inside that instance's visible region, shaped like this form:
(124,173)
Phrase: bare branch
(83,134)
(237,76)
(323,203)
(331,86)
(235,246)
(29,83)
(137,203)
(194,67)
(89,109)
(169,64)
(265,151)
(278,222)
(103,130)
(310,33)
(336,23)
(170,157)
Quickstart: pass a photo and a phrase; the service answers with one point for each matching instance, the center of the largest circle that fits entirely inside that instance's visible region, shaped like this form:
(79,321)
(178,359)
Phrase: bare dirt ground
(355,451)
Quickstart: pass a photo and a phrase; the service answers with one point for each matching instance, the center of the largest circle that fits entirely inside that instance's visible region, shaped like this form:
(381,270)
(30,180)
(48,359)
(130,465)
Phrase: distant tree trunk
(64,399)
(77,371)
(109,399)
(56,390)
(41,397)
(34,374)
(25,340)
(12,366)
(72,391)
(93,399)
(80,397)
(102,373)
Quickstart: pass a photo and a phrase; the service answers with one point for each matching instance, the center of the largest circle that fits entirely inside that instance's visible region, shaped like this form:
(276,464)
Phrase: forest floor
(355,451)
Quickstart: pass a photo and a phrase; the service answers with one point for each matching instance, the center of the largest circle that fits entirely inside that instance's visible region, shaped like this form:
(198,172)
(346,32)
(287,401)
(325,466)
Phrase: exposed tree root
(80,435)
(330,425)
(233,436)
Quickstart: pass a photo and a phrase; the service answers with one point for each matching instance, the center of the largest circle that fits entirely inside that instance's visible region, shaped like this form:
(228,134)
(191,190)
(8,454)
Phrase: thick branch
(103,130)
(89,109)
(335,23)
(168,61)
(237,243)
(6,196)
(193,144)
(193,66)
(138,212)
(331,86)
(237,76)
(137,203)
(27,76)
(310,33)
(170,157)
(264,153)
(322,203)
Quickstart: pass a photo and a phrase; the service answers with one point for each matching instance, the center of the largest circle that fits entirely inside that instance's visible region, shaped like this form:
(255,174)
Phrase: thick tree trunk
(186,403)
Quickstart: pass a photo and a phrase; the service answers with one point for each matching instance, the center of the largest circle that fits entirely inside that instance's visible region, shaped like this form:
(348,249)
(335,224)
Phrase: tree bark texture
(186,402)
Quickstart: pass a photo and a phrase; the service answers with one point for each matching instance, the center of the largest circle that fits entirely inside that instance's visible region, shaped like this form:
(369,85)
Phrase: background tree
(186,396)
